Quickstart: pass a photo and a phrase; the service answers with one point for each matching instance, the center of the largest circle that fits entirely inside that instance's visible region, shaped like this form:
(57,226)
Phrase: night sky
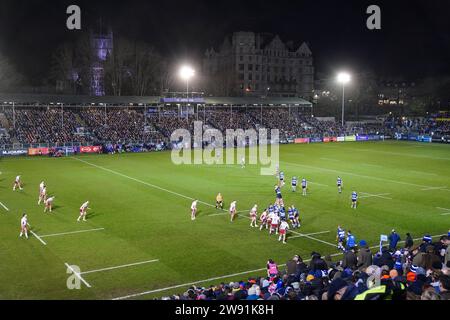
(414,41)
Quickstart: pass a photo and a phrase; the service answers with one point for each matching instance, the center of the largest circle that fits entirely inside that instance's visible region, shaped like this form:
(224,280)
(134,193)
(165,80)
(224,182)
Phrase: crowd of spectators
(44,125)
(424,125)
(118,125)
(124,124)
(409,272)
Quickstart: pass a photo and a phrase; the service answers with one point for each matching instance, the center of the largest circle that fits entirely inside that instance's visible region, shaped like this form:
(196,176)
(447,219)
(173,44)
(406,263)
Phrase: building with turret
(101,45)
(259,64)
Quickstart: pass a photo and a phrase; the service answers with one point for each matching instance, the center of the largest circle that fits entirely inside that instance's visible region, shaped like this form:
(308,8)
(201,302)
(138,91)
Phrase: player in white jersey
(263,220)
(44,194)
(232,210)
(41,187)
(48,204)
(193,209)
(243,162)
(24,226)
(253,215)
(17,184)
(274,223)
(83,211)
(284,226)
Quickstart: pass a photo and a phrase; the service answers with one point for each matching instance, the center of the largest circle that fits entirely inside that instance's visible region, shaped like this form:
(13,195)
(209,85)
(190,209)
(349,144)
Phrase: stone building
(259,64)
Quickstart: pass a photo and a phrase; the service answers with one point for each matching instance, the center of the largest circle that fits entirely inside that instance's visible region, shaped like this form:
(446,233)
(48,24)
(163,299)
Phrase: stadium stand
(120,120)
(123,124)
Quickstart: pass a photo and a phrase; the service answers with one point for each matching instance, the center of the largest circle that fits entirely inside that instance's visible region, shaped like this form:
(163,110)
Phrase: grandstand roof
(257,101)
(43,99)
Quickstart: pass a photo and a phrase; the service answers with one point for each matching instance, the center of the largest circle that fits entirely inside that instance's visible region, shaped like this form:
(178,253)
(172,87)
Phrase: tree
(9,77)
(166,76)
(117,66)
(63,67)
(144,70)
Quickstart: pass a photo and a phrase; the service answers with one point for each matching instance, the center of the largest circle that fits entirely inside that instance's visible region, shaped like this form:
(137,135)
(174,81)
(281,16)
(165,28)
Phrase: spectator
(341,290)
(349,260)
(409,242)
(364,256)
(393,238)
(272,269)
(444,287)
(291,266)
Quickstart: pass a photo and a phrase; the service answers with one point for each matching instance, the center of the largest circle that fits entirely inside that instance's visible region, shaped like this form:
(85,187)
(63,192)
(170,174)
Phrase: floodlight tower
(344,78)
(186,73)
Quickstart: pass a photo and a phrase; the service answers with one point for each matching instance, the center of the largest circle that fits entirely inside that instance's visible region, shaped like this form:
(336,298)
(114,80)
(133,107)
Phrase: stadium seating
(123,124)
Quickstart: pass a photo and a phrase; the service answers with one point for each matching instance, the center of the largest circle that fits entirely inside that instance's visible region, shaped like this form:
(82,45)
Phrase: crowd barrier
(413,137)
(350,138)
(45,151)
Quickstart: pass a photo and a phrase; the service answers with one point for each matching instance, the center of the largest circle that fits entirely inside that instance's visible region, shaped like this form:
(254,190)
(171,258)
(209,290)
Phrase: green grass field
(140,208)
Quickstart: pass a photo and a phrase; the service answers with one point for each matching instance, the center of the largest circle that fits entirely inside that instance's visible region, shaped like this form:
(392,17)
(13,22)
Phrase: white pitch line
(309,234)
(119,267)
(329,159)
(39,238)
(318,184)
(78,275)
(380,195)
(217,214)
(225,276)
(434,188)
(421,172)
(371,165)
(445,214)
(443,208)
(72,232)
(312,238)
(5,207)
(143,182)
(226,212)
(398,154)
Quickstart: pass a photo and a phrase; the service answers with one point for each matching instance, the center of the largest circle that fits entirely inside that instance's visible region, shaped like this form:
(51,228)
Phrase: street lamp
(343,78)
(186,72)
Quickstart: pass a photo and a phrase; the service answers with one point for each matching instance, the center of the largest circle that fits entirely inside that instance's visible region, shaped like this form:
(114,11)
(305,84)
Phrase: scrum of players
(48,205)
(274,217)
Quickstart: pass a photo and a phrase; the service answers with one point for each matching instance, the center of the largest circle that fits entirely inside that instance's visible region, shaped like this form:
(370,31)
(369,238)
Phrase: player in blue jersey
(282,213)
(294,184)
(304,186)
(278,194)
(339,184)
(354,199)
(294,216)
(351,241)
(297,217)
(276,209)
(340,237)
(291,215)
